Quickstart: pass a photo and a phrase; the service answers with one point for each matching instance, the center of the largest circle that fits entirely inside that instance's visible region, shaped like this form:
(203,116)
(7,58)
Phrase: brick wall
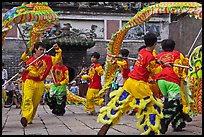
(184,32)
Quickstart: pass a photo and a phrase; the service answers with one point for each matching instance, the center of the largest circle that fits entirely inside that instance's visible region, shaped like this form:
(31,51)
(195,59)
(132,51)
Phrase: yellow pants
(32,94)
(92,99)
(133,87)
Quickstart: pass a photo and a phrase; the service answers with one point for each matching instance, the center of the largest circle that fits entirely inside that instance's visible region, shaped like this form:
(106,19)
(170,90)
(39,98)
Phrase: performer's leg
(36,98)
(61,103)
(104,129)
(27,105)
(178,122)
(171,109)
(89,105)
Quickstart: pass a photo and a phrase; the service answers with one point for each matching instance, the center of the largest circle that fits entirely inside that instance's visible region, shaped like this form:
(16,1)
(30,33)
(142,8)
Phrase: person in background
(48,82)
(4,74)
(10,87)
(74,88)
(123,64)
(119,79)
(84,83)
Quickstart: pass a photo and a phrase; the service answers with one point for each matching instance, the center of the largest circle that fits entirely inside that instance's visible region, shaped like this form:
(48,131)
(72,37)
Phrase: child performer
(56,98)
(94,74)
(124,64)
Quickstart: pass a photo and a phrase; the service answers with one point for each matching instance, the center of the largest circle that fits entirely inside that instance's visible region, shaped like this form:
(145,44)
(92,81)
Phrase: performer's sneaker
(93,113)
(24,121)
(151,133)
(187,118)
(104,129)
(164,127)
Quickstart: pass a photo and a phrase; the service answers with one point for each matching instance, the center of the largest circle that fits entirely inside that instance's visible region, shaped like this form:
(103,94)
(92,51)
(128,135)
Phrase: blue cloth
(74,89)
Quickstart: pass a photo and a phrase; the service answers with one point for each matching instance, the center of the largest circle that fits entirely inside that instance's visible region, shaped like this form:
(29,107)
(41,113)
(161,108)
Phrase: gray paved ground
(77,122)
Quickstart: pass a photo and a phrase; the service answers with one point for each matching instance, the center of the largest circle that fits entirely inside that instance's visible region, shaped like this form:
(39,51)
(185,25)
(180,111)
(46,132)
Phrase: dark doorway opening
(71,74)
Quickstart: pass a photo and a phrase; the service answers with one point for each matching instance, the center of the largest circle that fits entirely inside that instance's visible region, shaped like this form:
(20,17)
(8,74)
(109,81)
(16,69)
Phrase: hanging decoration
(194,82)
(40,14)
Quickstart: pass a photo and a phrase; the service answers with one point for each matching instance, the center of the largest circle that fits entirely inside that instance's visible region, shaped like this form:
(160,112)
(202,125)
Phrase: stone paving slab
(77,122)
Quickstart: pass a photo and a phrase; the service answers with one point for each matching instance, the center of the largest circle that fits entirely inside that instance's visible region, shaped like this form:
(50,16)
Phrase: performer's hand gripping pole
(114,56)
(28,65)
(82,71)
(177,65)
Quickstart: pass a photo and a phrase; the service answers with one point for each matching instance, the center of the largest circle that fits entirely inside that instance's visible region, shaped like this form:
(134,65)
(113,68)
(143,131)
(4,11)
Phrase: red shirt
(95,81)
(59,72)
(168,73)
(125,70)
(24,76)
(140,71)
(43,66)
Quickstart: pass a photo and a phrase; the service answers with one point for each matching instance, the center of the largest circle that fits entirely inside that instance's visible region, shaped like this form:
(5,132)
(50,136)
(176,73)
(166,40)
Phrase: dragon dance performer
(182,73)
(124,64)
(124,67)
(34,80)
(56,98)
(169,84)
(152,84)
(94,74)
(136,93)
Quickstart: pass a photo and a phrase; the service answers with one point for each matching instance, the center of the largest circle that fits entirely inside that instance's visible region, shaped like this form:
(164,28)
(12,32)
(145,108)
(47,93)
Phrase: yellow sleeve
(57,57)
(85,77)
(65,81)
(151,67)
(184,60)
(25,57)
(154,53)
(122,63)
(178,70)
(99,70)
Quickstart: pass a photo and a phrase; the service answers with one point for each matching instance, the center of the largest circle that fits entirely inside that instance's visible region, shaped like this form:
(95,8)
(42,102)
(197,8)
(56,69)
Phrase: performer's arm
(85,77)
(58,55)
(99,70)
(25,57)
(184,60)
(122,63)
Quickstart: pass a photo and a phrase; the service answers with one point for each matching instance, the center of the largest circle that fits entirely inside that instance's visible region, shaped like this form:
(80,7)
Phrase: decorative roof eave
(70,42)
